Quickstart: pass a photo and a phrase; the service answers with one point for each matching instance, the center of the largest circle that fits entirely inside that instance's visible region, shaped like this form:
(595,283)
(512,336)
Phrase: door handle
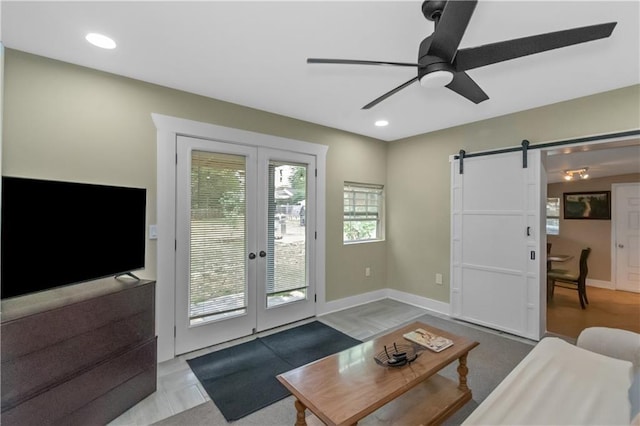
(263,253)
(252,256)
(621,245)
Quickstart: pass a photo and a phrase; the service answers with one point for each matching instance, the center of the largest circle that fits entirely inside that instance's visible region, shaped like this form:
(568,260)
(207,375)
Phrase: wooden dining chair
(571,280)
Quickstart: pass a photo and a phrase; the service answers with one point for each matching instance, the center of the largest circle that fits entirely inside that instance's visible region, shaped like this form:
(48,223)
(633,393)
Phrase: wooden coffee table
(346,387)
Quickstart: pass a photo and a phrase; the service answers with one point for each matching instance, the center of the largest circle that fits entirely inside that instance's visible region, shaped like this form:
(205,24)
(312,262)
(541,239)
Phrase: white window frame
(553,217)
(368,188)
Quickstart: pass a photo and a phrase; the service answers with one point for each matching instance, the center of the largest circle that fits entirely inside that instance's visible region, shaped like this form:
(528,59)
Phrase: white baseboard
(419,301)
(600,284)
(387,293)
(351,301)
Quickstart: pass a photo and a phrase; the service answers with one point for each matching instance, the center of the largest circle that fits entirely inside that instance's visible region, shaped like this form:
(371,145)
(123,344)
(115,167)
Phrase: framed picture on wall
(587,205)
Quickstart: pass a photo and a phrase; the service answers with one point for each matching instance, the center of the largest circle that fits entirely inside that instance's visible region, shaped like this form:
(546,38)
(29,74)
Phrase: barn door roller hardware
(525,146)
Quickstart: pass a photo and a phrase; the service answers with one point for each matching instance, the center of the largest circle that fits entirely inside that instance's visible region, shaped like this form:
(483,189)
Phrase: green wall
(67,122)
(418,177)
(63,121)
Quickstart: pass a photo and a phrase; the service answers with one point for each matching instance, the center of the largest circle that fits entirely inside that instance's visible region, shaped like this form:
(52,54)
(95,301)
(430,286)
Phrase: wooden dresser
(77,355)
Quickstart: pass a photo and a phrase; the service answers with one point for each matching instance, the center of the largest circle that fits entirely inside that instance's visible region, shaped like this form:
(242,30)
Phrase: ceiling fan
(441,63)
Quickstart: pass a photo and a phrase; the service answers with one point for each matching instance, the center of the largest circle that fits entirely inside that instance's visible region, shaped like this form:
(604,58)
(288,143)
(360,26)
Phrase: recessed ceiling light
(382,123)
(101,41)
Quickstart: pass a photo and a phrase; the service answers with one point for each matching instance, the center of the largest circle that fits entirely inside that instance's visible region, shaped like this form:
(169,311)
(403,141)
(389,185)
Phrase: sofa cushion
(560,384)
(617,343)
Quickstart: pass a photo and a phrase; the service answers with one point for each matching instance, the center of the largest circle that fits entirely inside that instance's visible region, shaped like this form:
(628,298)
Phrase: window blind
(362,201)
(217,235)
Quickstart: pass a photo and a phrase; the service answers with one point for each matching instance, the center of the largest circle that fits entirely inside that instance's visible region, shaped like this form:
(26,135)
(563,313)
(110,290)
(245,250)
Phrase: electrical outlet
(367,272)
(439,279)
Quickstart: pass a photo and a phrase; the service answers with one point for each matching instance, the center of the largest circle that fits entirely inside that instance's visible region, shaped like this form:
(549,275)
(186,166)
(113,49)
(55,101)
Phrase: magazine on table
(428,340)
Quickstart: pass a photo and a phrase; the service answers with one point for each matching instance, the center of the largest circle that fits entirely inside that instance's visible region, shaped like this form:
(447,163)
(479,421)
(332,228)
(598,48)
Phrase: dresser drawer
(39,330)
(69,397)
(64,359)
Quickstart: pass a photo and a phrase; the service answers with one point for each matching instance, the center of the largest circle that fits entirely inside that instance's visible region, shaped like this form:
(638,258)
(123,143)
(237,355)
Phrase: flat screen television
(60,233)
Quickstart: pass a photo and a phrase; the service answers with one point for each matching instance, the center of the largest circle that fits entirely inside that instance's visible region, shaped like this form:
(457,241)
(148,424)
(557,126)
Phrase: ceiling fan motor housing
(432,9)
(430,63)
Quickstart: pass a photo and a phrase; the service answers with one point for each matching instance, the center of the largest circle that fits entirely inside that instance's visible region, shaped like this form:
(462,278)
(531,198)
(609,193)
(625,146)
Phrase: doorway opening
(612,165)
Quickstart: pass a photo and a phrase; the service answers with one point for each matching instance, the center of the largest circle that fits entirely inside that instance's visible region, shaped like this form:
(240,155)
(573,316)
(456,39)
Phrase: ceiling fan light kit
(441,63)
(439,78)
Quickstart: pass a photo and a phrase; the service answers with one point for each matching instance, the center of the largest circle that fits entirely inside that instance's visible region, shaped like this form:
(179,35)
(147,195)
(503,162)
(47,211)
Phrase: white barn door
(496,230)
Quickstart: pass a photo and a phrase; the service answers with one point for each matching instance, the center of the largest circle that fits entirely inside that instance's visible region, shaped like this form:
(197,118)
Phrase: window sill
(353,243)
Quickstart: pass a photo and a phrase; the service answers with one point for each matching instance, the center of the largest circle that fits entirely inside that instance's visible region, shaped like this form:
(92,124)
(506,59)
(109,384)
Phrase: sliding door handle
(263,253)
(252,256)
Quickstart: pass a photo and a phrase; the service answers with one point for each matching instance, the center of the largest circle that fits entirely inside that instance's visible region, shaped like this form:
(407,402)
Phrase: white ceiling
(254,54)
(607,159)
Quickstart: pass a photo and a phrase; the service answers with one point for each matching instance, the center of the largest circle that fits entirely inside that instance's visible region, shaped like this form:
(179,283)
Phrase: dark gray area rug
(489,363)
(241,379)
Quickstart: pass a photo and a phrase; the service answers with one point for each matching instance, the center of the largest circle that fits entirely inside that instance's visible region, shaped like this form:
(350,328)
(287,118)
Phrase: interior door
(245,240)
(627,236)
(496,256)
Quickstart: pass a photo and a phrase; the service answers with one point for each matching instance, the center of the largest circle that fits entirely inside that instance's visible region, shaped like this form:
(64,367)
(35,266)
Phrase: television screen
(59,233)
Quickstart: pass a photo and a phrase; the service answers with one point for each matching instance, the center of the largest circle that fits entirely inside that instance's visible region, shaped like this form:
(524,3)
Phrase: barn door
(496,257)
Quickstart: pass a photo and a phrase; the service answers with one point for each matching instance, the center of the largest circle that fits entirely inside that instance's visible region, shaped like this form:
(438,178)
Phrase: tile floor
(178,388)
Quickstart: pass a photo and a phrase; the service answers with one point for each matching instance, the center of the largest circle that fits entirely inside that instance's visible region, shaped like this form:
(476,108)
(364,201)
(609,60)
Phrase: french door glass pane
(217,269)
(286,233)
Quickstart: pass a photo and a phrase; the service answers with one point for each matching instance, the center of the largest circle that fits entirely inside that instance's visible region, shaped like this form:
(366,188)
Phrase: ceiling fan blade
(358,62)
(488,54)
(389,93)
(450,28)
(463,85)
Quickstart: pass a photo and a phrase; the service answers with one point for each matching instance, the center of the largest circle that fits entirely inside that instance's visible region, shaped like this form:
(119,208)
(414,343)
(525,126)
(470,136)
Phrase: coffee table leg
(300,409)
(462,373)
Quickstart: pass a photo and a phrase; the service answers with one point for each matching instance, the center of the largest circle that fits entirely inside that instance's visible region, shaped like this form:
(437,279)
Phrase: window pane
(553,216)
(358,230)
(287,243)
(553,207)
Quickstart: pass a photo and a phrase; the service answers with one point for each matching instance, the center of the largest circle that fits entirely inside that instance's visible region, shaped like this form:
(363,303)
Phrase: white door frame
(168,128)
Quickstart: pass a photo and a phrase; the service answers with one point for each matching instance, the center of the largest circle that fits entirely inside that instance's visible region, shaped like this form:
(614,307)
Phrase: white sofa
(596,382)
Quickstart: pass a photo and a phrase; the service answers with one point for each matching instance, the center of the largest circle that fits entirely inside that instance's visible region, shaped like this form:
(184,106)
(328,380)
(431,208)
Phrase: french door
(496,229)
(245,240)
